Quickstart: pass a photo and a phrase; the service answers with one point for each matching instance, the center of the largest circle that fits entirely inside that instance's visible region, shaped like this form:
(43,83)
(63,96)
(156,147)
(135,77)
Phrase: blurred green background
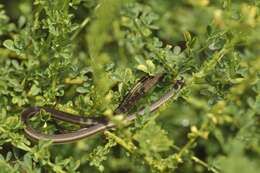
(82,56)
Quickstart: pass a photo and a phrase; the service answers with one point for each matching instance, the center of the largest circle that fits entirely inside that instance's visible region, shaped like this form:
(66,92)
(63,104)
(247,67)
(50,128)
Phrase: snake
(92,125)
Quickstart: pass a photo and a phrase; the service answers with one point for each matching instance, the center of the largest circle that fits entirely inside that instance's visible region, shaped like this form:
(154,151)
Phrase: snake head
(179,83)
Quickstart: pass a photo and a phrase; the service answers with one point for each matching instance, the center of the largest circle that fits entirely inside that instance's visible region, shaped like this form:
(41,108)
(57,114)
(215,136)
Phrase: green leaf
(148,138)
(34,90)
(82,90)
(9,44)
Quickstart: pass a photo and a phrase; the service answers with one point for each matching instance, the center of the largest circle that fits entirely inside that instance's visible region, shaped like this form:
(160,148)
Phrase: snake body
(93,125)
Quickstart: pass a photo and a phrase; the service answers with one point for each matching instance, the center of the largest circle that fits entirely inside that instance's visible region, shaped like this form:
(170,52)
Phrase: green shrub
(82,56)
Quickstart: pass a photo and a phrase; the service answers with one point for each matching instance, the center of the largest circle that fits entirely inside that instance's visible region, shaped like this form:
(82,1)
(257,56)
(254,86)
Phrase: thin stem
(204,164)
